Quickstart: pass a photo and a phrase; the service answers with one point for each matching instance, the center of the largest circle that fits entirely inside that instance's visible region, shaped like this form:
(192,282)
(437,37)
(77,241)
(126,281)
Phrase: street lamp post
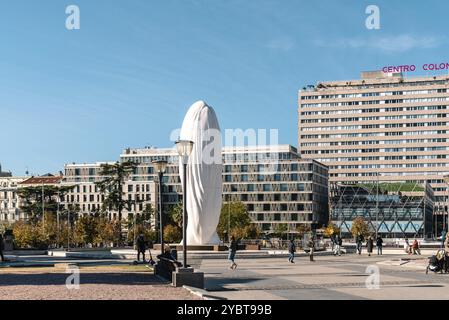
(160,167)
(184,148)
(446,211)
(377,206)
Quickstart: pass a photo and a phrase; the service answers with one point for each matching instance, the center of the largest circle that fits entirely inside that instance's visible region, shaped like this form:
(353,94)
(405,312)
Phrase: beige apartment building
(382,127)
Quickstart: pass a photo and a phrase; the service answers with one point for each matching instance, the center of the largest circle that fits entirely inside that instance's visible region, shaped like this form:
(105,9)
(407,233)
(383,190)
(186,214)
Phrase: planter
(252,247)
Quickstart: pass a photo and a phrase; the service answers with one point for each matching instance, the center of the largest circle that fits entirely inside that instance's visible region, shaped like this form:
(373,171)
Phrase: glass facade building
(396,210)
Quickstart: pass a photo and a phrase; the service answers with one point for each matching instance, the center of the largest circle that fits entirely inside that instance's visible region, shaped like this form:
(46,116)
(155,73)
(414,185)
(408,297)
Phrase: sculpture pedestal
(188,277)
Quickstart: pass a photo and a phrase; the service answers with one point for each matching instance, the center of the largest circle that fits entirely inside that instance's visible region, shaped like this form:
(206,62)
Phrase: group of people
(413,248)
(360,239)
(292,249)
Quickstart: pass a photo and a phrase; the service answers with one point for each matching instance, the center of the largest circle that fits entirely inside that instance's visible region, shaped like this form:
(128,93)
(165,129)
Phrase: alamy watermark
(73,21)
(73,280)
(251,145)
(373,280)
(373,20)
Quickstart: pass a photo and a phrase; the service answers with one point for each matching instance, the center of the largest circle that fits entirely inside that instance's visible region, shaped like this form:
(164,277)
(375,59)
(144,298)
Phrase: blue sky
(128,76)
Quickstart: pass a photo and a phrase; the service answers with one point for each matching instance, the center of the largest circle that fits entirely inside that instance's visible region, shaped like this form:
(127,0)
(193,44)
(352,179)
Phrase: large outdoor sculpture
(204,170)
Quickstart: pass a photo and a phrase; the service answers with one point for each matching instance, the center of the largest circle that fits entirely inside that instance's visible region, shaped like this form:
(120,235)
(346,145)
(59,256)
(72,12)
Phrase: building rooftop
(371,79)
(46,180)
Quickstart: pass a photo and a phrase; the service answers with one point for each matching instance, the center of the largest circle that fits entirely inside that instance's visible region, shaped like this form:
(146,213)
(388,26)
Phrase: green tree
(29,235)
(172,234)
(175,215)
(33,198)
(252,232)
(140,223)
(280,230)
(235,219)
(86,230)
(303,229)
(114,176)
(359,226)
(104,235)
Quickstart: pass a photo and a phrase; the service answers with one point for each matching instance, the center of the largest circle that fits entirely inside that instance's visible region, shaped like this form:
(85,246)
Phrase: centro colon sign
(412,67)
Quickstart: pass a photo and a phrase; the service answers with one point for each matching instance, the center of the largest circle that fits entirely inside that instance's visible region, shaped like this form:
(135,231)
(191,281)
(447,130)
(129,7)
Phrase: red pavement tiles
(94,286)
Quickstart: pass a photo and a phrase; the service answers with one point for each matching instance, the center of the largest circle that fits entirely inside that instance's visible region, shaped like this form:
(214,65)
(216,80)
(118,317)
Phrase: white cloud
(393,44)
(282,43)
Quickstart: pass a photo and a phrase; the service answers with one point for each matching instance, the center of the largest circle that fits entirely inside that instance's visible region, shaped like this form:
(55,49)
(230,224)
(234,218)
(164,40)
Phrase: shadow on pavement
(217,284)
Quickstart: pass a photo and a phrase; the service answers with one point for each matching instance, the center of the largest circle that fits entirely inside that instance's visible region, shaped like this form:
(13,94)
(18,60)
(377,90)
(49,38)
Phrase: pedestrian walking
(369,245)
(311,245)
(233,245)
(333,242)
(415,247)
(2,247)
(446,243)
(291,251)
(338,244)
(140,246)
(407,247)
(443,238)
(359,241)
(379,244)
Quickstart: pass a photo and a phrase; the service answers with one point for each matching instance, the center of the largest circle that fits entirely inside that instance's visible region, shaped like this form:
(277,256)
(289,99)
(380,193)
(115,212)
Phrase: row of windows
(372,134)
(361,103)
(386,158)
(375,150)
(373,94)
(376,126)
(401,117)
(386,174)
(371,142)
(389,166)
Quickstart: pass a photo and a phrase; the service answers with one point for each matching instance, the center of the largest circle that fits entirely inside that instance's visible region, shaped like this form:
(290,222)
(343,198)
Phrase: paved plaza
(258,277)
(99,280)
(329,277)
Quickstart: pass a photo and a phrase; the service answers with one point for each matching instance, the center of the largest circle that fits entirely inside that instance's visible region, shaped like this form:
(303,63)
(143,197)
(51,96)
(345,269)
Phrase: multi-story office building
(277,186)
(382,126)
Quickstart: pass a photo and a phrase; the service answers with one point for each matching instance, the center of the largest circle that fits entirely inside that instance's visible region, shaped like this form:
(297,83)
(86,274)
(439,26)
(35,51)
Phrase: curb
(202,293)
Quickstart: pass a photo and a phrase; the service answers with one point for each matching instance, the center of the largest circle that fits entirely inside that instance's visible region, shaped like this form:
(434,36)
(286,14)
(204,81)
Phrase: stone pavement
(98,281)
(340,278)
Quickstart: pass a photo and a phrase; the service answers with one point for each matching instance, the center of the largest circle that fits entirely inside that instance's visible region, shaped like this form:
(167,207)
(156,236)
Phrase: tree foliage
(359,227)
(234,219)
(280,230)
(303,229)
(331,230)
(175,215)
(39,199)
(172,234)
(111,185)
